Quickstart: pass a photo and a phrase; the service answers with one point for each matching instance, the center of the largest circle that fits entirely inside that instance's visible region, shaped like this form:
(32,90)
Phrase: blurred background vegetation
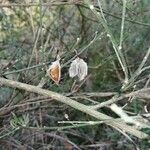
(33,33)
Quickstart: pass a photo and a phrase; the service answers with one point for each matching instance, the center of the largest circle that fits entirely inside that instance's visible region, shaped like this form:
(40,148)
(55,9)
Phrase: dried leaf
(54,71)
(78,68)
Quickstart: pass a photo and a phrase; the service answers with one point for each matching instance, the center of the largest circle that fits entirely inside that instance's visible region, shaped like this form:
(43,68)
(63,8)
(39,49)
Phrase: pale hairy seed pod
(82,69)
(78,68)
(73,70)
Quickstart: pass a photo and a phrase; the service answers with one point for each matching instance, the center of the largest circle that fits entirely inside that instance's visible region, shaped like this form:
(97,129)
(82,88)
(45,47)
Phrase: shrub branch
(78,106)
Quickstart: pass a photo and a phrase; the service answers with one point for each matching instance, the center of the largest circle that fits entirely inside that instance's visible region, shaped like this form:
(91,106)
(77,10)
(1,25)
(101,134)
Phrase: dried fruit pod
(73,70)
(78,68)
(54,71)
(82,69)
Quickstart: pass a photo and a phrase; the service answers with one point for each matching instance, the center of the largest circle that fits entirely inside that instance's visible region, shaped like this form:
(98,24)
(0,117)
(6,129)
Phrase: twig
(117,17)
(138,71)
(96,37)
(139,93)
(77,124)
(36,4)
(98,94)
(122,23)
(28,68)
(71,3)
(102,20)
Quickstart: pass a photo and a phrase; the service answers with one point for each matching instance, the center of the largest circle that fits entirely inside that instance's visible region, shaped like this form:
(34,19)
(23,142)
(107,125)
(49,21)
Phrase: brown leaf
(54,71)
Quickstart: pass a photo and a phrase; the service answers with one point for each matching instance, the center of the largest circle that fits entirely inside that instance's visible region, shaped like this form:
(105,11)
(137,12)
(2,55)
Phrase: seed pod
(78,68)
(73,70)
(82,69)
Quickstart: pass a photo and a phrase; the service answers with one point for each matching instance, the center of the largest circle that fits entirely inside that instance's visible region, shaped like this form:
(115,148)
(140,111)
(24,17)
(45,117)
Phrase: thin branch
(143,93)
(122,23)
(71,3)
(118,17)
(28,68)
(78,124)
(74,104)
(138,71)
(100,16)
(98,94)
(81,50)
(36,4)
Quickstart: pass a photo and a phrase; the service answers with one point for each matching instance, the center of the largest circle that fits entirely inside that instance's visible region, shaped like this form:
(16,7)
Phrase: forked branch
(78,106)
